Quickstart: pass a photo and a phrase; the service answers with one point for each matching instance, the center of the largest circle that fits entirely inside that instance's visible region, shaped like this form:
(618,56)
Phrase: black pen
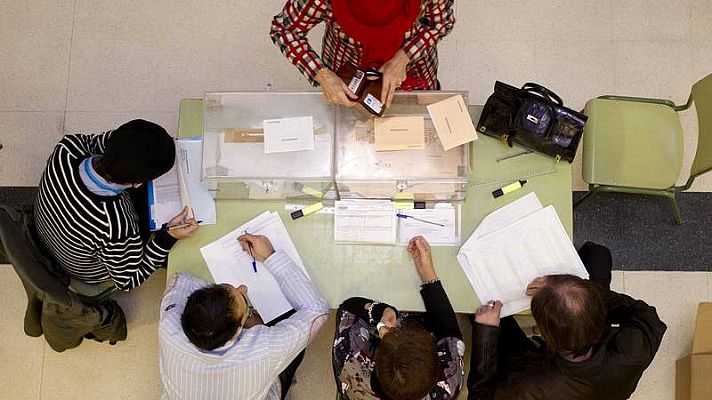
(166,228)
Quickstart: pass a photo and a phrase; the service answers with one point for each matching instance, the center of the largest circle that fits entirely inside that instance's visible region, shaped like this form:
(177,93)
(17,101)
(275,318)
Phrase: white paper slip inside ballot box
(288,134)
(500,264)
(440,226)
(452,122)
(365,221)
(229,263)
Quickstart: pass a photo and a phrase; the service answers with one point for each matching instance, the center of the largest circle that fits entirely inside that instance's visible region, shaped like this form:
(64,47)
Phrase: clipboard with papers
(181,187)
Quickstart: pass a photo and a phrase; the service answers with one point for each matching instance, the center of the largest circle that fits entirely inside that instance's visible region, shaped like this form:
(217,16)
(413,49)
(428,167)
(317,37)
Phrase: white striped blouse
(248,366)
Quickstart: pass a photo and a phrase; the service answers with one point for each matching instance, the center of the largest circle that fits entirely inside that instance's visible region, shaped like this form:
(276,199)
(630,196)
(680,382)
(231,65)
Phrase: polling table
(344,164)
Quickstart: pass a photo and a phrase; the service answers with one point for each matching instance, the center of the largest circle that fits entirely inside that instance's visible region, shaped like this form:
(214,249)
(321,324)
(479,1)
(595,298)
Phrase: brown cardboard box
(693,376)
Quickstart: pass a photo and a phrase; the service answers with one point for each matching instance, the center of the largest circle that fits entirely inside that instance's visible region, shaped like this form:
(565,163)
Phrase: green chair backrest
(702,96)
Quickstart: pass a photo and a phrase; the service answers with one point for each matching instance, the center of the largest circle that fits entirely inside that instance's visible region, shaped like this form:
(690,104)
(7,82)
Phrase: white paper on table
(501,264)
(194,192)
(228,263)
(445,214)
(288,134)
(365,221)
(164,199)
(508,214)
(181,186)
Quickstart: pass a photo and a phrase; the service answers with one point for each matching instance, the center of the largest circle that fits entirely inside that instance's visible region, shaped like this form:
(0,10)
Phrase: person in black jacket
(380,353)
(595,343)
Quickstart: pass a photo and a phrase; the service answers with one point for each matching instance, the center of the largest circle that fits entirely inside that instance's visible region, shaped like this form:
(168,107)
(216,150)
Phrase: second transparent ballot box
(234,157)
(429,174)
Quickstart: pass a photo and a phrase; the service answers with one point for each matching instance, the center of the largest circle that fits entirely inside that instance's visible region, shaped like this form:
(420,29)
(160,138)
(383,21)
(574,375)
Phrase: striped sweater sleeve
(130,263)
(289,32)
(94,144)
(436,23)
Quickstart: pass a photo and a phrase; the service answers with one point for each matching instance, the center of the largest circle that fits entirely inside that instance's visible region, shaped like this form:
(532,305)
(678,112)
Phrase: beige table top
(376,271)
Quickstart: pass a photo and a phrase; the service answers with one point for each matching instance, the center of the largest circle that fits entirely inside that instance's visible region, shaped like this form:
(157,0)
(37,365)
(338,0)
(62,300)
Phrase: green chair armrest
(664,102)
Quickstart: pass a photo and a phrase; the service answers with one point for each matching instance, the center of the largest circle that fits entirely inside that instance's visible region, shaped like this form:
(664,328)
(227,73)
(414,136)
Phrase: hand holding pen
(259,247)
(181,226)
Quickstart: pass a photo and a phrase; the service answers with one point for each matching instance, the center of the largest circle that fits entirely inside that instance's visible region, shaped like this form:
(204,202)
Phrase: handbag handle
(535,88)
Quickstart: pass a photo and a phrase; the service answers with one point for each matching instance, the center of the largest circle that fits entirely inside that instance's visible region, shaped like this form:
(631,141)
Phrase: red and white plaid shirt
(291,26)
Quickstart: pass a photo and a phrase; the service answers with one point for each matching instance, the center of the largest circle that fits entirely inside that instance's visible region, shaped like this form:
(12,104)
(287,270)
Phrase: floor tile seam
(69,64)
(44,358)
(22,111)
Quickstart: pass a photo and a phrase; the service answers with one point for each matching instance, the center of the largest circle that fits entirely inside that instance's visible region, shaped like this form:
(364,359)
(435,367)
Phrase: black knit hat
(137,152)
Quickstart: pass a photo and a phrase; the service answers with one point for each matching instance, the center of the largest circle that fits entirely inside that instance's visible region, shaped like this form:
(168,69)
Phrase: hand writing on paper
(261,246)
(535,285)
(419,248)
(182,219)
(394,73)
(390,320)
(334,89)
(489,314)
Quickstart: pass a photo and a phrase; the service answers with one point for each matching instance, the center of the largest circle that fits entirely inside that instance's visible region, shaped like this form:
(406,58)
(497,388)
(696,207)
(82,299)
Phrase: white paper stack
(514,245)
(182,186)
(441,229)
(365,221)
(228,263)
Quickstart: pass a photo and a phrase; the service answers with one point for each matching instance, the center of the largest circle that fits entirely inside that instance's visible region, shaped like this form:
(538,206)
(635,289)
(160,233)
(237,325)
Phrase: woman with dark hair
(396,37)
(595,343)
(380,353)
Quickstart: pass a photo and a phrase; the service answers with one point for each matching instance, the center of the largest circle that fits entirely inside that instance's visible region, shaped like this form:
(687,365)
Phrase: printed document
(452,122)
(399,133)
(288,134)
(365,221)
(441,229)
(228,263)
(503,258)
(182,186)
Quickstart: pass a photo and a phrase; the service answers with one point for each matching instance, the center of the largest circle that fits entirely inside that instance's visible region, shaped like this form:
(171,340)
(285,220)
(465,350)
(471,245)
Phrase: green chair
(635,145)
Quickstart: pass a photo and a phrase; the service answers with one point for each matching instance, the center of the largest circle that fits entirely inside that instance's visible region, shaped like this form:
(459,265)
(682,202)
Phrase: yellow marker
(312,192)
(308,210)
(509,188)
(404,204)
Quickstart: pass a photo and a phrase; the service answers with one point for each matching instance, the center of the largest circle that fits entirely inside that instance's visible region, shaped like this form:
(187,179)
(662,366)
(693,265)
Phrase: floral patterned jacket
(356,339)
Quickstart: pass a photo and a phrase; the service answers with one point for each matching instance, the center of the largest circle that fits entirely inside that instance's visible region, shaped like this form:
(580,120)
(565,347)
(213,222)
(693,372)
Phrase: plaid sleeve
(435,23)
(289,32)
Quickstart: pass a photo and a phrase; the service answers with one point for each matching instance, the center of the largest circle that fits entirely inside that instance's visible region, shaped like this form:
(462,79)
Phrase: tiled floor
(129,370)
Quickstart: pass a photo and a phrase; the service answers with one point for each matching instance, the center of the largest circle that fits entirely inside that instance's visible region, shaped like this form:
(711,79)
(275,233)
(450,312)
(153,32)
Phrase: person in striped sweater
(91,210)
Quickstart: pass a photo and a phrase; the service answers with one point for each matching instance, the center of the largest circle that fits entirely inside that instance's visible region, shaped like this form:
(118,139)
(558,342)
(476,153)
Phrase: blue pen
(417,219)
(254,262)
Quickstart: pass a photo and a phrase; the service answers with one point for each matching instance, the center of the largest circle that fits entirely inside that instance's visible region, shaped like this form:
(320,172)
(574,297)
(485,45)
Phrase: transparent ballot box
(234,159)
(429,174)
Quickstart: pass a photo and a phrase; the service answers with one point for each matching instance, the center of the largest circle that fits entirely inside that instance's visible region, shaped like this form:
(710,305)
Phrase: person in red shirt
(397,37)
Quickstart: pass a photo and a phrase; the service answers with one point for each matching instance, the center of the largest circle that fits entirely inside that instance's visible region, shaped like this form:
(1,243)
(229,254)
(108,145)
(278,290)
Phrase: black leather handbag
(533,117)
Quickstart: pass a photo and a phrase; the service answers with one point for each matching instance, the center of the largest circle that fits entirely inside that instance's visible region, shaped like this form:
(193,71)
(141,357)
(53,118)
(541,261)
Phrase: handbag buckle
(557,158)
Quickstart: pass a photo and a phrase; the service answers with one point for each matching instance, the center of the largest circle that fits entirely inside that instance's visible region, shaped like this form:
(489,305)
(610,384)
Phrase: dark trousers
(598,262)
(286,377)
